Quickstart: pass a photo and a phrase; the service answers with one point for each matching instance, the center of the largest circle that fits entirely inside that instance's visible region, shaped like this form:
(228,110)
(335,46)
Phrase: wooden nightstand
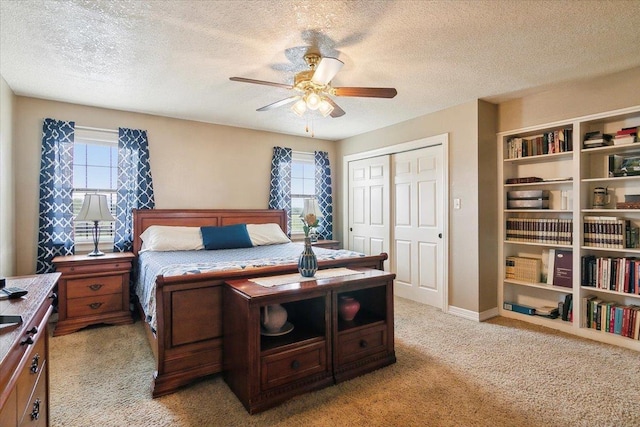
(93,290)
(327,244)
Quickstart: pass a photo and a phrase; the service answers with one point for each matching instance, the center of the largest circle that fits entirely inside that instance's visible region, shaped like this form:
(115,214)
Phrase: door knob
(440,235)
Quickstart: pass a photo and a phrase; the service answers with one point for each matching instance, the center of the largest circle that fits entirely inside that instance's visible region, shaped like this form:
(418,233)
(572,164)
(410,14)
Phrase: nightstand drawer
(281,368)
(94,305)
(104,285)
(361,343)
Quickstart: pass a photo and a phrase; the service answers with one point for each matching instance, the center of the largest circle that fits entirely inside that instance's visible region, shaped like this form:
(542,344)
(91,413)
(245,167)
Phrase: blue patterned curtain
(280,191)
(323,194)
(135,188)
(55,235)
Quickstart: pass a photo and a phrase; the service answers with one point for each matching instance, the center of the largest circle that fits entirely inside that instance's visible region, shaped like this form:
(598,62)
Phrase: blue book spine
(618,325)
(519,308)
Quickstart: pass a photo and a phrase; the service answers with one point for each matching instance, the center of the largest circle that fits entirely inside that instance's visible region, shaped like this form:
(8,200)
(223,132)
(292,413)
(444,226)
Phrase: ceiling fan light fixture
(299,107)
(325,108)
(313,101)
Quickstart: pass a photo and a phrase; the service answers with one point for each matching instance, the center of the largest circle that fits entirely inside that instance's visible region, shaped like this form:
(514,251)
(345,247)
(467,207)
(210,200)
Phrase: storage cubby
(264,368)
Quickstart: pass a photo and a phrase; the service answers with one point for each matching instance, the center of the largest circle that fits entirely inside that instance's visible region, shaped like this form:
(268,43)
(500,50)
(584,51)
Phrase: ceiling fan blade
(326,70)
(260,82)
(279,103)
(337,111)
(368,92)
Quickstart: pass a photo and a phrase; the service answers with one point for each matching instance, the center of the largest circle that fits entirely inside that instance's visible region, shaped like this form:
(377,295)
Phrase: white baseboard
(473,315)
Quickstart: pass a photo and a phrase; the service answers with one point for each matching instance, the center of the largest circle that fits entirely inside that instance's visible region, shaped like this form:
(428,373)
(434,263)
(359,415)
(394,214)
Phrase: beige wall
(194,165)
(487,205)
(460,122)
(7,189)
(571,100)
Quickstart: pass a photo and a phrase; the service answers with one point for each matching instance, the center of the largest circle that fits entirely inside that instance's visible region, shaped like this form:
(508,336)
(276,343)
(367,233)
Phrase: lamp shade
(311,207)
(95,208)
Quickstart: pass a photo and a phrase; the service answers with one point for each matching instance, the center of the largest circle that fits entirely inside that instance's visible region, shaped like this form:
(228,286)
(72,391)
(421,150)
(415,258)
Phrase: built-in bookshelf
(589,210)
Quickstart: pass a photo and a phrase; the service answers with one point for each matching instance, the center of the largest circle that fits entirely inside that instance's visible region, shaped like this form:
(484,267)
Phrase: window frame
(305,158)
(84,241)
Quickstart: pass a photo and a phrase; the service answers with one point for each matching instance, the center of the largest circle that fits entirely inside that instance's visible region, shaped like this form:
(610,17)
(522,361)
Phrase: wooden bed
(188,340)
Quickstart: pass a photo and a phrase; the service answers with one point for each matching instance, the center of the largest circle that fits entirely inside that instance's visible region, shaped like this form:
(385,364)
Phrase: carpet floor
(450,372)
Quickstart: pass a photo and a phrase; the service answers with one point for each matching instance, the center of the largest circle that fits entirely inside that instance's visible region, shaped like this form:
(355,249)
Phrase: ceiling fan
(314,88)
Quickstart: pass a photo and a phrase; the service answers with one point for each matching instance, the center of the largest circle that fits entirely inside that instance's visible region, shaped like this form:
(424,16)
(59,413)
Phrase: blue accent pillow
(226,237)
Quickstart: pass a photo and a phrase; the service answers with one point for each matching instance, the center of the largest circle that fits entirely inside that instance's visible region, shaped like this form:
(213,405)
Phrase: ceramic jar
(273,317)
(307,263)
(348,307)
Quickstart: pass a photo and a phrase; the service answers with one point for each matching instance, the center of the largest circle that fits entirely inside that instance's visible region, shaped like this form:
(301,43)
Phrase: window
(95,170)
(303,186)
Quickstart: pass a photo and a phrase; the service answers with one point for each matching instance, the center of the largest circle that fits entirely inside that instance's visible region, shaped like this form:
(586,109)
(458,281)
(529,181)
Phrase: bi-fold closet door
(396,205)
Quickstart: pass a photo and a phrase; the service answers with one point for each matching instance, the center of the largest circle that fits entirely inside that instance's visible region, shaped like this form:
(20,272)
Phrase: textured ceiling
(174,58)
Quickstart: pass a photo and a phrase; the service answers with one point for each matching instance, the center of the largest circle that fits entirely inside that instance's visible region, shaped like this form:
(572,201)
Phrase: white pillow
(266,234)
(169,238)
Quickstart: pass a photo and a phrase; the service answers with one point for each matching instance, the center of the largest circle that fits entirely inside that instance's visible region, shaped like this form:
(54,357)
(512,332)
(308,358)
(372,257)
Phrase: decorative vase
(273,317)
(348,307)
(307,263)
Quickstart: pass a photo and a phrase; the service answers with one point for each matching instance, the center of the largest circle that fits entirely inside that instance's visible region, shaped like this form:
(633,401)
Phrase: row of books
(555,231)
(523,268)
(613,274)
(558,141)
(608,232)
(608,316)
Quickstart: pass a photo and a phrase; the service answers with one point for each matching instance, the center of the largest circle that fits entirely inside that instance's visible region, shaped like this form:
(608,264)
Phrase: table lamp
(95,208)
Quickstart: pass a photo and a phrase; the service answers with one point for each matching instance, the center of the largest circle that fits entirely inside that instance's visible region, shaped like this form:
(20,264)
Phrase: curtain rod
(97,129)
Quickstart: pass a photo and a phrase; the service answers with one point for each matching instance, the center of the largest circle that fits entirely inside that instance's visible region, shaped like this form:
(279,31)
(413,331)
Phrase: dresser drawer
(35,361)
(281,368)
(101,285)
(34,412)
(361,343)
(97,304)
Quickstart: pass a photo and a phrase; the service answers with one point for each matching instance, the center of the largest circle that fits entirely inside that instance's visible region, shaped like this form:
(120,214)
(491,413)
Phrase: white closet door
(369,222)
(418,242)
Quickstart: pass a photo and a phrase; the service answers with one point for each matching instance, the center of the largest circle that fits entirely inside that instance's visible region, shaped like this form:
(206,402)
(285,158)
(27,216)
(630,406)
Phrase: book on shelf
(613,274)
(567,308)
(523,268)
(519,308)
(628,131)
(551,312)
(551,265)
(523,180)
(563,268)
(624,140)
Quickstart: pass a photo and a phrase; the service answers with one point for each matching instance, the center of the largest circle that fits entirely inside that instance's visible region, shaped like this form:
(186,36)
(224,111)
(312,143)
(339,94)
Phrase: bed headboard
(143,218)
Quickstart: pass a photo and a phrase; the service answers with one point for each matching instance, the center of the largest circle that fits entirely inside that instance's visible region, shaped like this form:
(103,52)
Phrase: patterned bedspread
(176,263)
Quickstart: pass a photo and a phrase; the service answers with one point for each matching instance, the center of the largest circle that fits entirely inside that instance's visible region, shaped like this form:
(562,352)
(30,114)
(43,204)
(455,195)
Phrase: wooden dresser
(93,290)
(319,349)
(24,353)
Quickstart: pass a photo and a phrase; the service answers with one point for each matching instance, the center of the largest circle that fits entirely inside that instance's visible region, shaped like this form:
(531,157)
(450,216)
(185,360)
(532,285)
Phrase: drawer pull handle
(34,363)
(28,341)
(363,343)
(295,364)
(33,330)
(35,414)
(95,305)
(95,287)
